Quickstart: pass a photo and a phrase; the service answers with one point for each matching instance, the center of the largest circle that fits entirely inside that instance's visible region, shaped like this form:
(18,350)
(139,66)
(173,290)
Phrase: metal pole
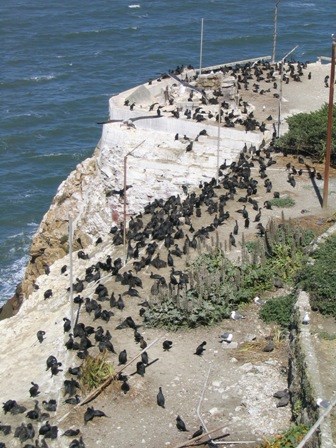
(280,86)
(71,268)
(317,424)
(330,124)
(201,48)
(218,137)
(125,195)
(125,199)
(275,30)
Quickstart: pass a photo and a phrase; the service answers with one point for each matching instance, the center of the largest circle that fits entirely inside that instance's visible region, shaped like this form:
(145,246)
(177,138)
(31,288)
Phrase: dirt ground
(238,394)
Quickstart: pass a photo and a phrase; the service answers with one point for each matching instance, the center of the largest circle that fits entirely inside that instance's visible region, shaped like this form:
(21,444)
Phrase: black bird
(236,228)
(71,433)
(125,387)
(66,325)
(34,390)
(50,405)
(180,425)
(24,432)
(74,370)
(70,387)
(247,223)
(48,293)
(198,433)
(200,349)
(258,216)
(77,443)
(5,429)
(123,357)
(140,368)
(91,413)
(160,399)
(232,240)
(40,335)
(13,407)
(144,358)
(73,400)
(167,345)
(120,303)
(170,259)
(34,414)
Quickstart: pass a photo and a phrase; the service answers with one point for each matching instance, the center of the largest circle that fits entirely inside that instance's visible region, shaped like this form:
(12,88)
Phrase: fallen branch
(108,381)
(191,442)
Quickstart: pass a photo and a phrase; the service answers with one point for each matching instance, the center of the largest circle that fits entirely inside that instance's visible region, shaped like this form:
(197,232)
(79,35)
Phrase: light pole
(330,123)
(275,29)
(125,189)
(201,48)
(218,136)
(280,86)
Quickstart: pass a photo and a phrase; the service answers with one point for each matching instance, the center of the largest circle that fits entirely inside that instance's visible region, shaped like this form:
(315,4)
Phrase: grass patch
(327,336)
(288,439)
(284,202)
(95,370)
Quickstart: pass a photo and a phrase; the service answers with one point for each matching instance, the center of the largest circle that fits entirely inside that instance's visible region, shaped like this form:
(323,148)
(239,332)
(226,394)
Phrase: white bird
(226,337)
(306,319)
(236,316)
(322,403)
(258,301)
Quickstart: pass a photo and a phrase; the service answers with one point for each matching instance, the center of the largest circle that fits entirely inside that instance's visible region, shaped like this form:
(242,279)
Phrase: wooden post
(330,125)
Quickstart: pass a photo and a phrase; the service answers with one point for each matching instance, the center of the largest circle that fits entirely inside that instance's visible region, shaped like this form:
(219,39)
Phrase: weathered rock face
(155,169)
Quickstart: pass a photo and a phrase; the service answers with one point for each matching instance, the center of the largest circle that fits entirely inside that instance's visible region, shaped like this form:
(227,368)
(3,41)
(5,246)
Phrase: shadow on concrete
(311,173)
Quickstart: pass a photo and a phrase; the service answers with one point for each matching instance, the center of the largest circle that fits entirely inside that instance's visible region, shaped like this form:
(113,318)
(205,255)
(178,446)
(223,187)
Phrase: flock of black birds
(175,224)
(248,77)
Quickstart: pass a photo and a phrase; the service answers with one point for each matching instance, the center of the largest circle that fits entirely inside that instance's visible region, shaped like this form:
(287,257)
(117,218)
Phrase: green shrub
(288,439)
(307,134)
(217,286)
(278,310)
(319,279)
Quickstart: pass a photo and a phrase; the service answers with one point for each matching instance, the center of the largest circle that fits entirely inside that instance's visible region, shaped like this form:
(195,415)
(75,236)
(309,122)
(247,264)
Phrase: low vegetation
(278,310)
(217,286)
(284,202)
(319,278)
(307,134)
(288,439)
(94,371)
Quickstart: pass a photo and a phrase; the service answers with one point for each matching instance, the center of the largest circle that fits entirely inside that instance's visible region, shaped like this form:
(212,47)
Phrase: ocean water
(61,61)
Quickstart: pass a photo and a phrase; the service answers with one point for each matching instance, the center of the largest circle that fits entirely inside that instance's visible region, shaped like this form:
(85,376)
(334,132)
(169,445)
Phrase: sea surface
(62,60)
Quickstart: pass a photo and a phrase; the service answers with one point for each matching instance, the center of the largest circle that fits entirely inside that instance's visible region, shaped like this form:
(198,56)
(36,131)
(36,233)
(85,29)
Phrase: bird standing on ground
(40,335)
(200,349)
(160,399)
(180,425)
